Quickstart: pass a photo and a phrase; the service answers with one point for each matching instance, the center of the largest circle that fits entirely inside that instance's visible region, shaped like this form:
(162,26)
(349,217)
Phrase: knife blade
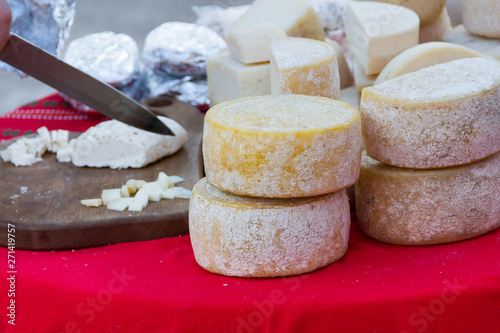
(80,86)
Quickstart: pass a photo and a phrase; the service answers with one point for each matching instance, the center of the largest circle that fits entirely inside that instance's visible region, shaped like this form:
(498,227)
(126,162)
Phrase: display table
(157,286)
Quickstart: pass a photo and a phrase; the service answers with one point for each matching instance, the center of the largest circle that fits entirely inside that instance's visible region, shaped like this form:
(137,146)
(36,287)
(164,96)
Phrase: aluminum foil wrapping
(217,18)
(45,23)
(188,89)
(109,57)
(180,49)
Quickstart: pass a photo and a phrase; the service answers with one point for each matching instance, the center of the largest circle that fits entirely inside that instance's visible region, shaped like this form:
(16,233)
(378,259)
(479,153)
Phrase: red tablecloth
(156,286)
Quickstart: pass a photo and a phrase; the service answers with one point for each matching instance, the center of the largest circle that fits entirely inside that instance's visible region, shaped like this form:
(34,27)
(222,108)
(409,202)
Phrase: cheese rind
(255,237)
(116,145)
(427,10)
(229,79)
(417,207)
(282,146)
(304,66)
(376,32)
(435,30)
(459,35)
(439,116)
(482,17)
(252,44)
(296,17)
(423,56)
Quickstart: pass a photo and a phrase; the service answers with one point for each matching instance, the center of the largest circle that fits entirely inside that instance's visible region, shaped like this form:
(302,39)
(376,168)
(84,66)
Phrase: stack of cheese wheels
(273,202)
(243,69)
(432,170)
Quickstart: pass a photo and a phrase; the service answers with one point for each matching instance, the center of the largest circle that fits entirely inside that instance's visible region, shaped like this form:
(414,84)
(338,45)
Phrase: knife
(80,86)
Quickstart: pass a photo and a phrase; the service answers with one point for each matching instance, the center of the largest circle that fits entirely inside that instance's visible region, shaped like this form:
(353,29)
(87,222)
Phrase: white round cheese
(417,207)
(255,237)
(423,56)
(482,17)
(282,146)
(440,116)
(427,10)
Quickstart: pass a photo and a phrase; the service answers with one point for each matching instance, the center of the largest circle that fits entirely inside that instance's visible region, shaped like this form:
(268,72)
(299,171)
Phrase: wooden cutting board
(49,215)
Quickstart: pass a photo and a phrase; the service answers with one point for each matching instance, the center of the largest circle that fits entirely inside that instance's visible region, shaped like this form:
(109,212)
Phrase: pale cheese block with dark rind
(418,207)
(257,237)
(282,146)
(304,66)
(482,17)
(427,10)
(440,116)
(422,56)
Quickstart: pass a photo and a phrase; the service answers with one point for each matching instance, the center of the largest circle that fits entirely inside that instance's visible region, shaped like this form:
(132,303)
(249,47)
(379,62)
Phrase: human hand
(5,20)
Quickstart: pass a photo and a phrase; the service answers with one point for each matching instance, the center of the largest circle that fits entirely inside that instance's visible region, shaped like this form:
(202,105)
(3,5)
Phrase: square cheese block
(282,146)
(296,17)
(252,44)
(435,30)
(304,66)
(482,17)
(441,116)
(376,32)
(344,71)
(427,10)
(257,237)
(229,79)
(459,35)
(419,207)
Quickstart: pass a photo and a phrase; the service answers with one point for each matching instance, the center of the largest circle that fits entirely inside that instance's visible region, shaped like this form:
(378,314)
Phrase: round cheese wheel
(257,237)
(282,146)
(417,207)
(422,56)
(482,17)
(440,116)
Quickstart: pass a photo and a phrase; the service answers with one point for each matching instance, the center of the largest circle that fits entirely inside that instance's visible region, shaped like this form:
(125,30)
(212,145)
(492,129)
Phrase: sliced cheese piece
(140,201)
(255,237)
(440,116)
(344,71)
(417,207)
(377,32)
(482,17)
(304,66)
(427,10)
(252,44)
(119,204)
(110,195)
(423,56)
(118,146)
(435,30)
(282,146)
(459,35)
(91,202)
(296,17)
(229,79)
(362,80)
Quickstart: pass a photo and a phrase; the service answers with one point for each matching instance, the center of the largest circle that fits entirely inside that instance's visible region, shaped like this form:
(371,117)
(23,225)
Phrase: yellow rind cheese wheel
(282,146)
(440,116)
(417,207)
(256,237)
